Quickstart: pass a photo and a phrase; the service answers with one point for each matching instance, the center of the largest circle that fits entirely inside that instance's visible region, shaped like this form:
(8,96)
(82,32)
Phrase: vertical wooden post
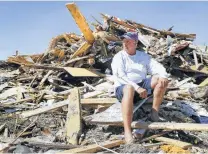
(73,123)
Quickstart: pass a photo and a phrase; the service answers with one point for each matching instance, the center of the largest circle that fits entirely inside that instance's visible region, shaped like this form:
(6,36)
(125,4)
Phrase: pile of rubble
(63,100)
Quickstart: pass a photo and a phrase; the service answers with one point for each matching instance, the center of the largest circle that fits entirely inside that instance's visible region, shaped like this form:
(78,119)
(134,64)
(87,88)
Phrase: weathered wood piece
(92,94)
(57,105)
(154,136)
(99,101)
(52,145)
(156,125)
(183,145)
(81,22)
(94,147)
(19,101)
(71,70)
(74,124)
(83,48)
(45,78)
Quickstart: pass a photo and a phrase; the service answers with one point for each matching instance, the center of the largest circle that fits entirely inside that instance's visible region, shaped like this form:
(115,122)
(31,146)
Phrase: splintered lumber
(99,101)
(83,48)
(95,147)
(45,78)
(92,94)
(183,145)
(171,126)
(81,22)
(38,66)
(57,105)
(71,70)
(70,61)
(157,125)
(73,123)
(19,101)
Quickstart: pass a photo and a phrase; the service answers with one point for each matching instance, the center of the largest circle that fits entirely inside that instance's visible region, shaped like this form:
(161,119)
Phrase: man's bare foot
(129,138)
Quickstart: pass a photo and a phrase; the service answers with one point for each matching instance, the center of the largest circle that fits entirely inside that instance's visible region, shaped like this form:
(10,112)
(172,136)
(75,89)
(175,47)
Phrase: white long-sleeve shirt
(132,69)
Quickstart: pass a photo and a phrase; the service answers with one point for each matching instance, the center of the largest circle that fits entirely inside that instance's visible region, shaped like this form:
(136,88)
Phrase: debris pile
(63,100)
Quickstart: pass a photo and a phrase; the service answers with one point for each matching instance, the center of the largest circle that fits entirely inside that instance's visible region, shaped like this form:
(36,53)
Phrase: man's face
(130,46)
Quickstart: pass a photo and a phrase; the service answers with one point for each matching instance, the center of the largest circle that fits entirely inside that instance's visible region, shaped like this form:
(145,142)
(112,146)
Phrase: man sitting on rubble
(130,68)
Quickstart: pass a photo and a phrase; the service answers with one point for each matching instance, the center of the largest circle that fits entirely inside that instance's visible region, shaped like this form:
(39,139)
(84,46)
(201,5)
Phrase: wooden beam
(41,110)
(183,145)
(83,48)
(81,22)
(98,101)
(171,126)
(95,147)
(92,94)
(73,123)
(57,105)
(159,125)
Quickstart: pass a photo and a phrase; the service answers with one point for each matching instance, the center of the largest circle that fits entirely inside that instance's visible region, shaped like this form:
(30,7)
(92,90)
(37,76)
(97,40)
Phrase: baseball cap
(130,35)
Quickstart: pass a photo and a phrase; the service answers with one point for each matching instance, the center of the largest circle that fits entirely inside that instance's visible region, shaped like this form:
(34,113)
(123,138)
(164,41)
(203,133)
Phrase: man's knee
(128,89)
(154,81)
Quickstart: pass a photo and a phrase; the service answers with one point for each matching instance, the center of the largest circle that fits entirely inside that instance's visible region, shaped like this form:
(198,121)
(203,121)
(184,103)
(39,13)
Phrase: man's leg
(127,111)
(158,94)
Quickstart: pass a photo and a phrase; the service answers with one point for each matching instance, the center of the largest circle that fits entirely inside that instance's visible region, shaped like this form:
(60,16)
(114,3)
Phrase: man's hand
(142,92)
(163,82)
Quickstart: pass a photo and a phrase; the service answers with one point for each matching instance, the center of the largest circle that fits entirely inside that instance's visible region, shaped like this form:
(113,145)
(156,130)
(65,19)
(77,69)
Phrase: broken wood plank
(70,61)
(52,145)
(94,147)
(57,105)
(92,94)
(71,70)
(45,78)
(19,101)
(33,80)
(99,101)
(41,110)
(171,126)
(183,145)
(81,22)
(154,136)
(157,125)
(73,123)
(83,48)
